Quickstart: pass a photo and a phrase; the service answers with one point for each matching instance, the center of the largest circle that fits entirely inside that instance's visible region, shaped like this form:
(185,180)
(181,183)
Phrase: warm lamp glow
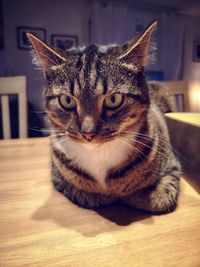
(194,96)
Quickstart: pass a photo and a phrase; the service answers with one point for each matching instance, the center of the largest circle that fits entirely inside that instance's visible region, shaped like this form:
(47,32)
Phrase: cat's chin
(96,140)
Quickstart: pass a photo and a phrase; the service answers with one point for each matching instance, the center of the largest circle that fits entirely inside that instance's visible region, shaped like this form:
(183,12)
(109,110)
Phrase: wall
(191,68)
(68,17)
(57,17)
(122,23)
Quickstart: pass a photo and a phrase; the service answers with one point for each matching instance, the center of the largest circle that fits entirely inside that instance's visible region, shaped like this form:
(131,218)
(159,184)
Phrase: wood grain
(40,227)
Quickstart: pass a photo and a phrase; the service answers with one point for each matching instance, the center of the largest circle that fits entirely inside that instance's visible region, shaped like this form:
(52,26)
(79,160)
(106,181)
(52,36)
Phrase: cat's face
(96,94)
(95,97)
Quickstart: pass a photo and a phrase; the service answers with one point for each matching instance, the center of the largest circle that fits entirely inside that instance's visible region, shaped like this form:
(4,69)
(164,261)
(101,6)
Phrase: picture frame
(22,40)
(196,51)
(64,42)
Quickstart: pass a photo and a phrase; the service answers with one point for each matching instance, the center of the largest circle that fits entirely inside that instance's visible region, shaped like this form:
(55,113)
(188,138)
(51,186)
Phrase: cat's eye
(113,101)
(67,102)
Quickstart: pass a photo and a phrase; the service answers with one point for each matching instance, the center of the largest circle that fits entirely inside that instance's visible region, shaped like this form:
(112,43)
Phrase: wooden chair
(13,86)
(180,91)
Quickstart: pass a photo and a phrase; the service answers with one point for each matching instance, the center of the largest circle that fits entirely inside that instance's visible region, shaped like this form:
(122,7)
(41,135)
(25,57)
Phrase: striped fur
(130,157)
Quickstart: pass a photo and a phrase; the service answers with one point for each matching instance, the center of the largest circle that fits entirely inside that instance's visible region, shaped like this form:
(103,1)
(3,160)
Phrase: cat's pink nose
(88,136)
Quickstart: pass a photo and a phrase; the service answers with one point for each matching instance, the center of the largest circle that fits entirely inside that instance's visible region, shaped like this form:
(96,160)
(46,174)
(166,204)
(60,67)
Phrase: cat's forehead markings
(73,48)
(56,67)
(93,73)
(99,87)
(81,73)
(104,48)
(76,88)
(57,90)
(131,67)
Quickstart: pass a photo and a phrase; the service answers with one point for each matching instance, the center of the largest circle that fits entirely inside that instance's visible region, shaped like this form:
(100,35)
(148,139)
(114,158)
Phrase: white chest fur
(96,159)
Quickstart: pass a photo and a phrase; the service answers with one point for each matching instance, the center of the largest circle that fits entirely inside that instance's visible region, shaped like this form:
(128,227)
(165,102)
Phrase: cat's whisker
(139,153)
(37,111)
(44,130)
(39,130)
(161,143)
(152,148)
(132,147)
(57,136)
(36,79)
(147,137)
(61,141)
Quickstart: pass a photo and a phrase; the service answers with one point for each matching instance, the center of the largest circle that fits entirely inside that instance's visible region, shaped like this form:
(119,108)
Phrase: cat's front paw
(160,203)
(159,199)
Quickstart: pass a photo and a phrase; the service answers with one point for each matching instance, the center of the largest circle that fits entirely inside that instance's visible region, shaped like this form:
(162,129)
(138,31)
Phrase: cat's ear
(46,56)
(133,54)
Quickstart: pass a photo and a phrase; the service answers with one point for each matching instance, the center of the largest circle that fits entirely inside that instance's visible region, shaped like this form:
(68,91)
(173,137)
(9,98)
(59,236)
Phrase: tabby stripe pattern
(122,176)
(68,163)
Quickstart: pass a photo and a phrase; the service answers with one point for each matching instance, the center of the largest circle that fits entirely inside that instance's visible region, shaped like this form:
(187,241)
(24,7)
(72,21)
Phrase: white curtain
(108,23)
(172,48)
(114,23)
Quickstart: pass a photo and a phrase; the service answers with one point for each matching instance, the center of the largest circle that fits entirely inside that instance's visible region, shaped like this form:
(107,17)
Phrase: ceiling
(185,7)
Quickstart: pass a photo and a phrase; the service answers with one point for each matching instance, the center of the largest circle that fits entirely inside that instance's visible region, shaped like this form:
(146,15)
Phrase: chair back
(13,86)
(180,91)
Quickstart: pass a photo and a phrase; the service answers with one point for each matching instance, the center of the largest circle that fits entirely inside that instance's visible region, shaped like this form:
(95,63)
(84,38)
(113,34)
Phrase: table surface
(186,117)
(40,227)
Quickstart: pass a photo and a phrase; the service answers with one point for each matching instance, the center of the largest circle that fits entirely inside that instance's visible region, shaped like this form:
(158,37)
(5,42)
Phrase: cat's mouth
(91,137)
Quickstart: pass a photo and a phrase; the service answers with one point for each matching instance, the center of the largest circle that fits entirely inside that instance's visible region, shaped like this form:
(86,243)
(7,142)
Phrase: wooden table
(184,128)
(40,227)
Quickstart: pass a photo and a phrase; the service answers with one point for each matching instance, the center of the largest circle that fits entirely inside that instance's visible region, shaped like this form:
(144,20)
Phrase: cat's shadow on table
(123,215)
(89,222)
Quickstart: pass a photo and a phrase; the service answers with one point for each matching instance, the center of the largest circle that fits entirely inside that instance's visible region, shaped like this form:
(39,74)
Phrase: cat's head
(96,93)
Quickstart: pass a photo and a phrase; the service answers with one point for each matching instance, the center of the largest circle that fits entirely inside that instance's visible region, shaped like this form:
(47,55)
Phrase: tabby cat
(110,141)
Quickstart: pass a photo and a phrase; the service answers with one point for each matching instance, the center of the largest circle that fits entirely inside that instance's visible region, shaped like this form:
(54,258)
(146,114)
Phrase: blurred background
(65,23)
